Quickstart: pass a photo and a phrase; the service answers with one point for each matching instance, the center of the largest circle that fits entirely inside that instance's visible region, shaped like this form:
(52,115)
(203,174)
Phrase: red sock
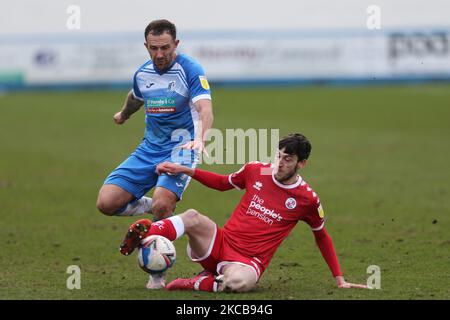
(163,228)
(208,284)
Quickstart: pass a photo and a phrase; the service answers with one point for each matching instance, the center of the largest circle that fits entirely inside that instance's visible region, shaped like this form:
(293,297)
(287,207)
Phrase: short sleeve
(237,179)
(198,83)
(136,91)
(314,215)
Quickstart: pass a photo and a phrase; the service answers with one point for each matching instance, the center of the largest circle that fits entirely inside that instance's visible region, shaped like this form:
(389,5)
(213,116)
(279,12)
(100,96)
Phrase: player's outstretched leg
(171,228)
(204,281)
(137,231)
(235,278)
(199,228)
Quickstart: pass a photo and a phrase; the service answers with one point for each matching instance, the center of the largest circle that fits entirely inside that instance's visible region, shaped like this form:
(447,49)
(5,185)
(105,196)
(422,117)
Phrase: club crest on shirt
(291,203)
(171,86)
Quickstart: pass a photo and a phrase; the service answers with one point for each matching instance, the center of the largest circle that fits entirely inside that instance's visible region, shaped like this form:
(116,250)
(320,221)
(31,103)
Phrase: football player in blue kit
(178,112)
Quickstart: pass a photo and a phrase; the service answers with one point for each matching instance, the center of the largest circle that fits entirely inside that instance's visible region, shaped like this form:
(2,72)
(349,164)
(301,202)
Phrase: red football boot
(194,283)
(135,234)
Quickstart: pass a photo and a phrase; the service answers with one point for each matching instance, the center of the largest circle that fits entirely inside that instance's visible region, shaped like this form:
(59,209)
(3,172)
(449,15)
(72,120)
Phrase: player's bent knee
(191,219)
(106,208)
(244,286)
(110,201)
(192,214)
(248,286)
(162,209)
(239,285)
(239,279)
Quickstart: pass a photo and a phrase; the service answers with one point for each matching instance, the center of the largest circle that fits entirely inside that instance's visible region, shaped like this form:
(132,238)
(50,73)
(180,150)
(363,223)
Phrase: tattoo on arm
(131,105)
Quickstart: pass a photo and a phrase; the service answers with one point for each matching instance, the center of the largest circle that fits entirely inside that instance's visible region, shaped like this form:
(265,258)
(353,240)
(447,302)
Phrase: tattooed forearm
(131,105)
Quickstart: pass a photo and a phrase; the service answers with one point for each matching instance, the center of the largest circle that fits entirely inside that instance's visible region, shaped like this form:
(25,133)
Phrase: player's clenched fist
(119,118)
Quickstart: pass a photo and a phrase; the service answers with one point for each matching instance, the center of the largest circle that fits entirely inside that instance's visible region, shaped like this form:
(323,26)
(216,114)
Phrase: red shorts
(221,253)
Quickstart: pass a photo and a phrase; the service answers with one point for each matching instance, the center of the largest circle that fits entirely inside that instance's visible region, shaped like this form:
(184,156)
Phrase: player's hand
(195,145)
(341,283)
(169,168)
(119,118)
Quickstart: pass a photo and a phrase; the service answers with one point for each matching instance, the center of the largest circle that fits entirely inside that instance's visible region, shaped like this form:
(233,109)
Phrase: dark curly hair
(296,144)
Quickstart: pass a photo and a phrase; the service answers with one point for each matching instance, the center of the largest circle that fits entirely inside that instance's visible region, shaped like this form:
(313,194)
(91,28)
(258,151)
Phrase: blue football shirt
(169,99)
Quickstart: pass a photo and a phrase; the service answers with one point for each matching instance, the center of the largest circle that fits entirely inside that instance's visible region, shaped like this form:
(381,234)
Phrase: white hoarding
(284,56)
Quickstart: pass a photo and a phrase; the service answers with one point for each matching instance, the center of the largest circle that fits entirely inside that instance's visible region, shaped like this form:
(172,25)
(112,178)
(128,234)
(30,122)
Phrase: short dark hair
(158,27)
(296,144)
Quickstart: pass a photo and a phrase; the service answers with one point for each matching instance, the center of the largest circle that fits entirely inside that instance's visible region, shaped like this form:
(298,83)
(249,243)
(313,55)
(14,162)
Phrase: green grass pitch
(380,164)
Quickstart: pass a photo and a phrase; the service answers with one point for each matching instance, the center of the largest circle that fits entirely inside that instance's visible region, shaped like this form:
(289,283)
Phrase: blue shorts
(137,174)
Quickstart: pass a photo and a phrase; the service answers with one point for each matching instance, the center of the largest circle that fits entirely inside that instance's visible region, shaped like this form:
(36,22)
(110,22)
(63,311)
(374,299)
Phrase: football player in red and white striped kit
(234,257)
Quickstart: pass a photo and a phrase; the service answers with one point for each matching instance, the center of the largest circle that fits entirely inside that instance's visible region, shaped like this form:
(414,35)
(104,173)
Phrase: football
(156,255)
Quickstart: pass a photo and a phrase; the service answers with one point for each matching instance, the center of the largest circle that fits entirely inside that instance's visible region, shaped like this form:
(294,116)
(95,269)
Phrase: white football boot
(156,281)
